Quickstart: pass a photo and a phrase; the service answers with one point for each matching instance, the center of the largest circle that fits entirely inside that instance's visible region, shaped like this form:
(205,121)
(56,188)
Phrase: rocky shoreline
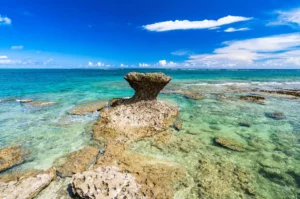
(114,166)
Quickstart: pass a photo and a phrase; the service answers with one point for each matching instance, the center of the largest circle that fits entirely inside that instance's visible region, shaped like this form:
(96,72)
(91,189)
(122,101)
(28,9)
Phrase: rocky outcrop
(230,144)
(135,120)
(86,108)
(105,183)
(77,161)
(24,100)
(10,157)
(146,85)
(41,103)
(25,185)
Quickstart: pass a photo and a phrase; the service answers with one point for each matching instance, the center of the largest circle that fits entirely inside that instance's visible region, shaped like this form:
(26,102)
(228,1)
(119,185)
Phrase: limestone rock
(41,103)
(105,183)
(135,120)
(25,185)
(146,85)
(230,144)
(57,189)
(10,157)
(77,161)
(89,107)
(177,125)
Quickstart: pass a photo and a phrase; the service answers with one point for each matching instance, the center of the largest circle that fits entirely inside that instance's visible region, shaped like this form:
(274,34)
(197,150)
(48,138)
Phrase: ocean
(49,132)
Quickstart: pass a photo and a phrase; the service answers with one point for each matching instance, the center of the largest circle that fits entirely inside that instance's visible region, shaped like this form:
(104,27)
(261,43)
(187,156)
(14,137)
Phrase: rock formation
(105,183)
(230,144)
(146,85)
(275,116)
(10,157)
(253,98)
(77,161)
(25,185)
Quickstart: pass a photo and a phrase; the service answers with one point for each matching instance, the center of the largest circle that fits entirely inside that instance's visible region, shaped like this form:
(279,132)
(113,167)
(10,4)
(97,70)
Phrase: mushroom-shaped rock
(146,85)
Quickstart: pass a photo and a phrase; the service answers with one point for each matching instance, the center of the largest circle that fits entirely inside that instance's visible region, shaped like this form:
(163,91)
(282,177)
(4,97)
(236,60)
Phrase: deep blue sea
(49,132)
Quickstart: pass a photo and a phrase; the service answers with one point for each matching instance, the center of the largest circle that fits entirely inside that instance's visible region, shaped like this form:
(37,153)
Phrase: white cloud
(99,64)
(283,50)
(162,62)
(236,29)
(291,17)
(5,20)
(186,24)
(180,52)
(3,57)
(20,47)
(144,65)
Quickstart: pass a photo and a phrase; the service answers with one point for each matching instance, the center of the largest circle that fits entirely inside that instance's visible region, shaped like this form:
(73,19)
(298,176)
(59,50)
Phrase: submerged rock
(77,161)
(105,183)
(41,103)
(244,124)
(10,157)
(177,125)
(275,116)
(253,98)
(146,85)
(295,93)
(194,95)
(230,144)
(86,108)
(25,185)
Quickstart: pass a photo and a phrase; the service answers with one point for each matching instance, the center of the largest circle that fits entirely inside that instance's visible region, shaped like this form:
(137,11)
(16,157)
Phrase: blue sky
(149,34)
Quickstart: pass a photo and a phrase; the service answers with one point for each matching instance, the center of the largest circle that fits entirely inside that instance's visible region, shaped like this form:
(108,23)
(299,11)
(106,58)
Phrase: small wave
(243,84)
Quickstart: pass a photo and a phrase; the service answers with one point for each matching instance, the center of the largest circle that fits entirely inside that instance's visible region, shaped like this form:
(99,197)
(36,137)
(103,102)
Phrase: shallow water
(49,132)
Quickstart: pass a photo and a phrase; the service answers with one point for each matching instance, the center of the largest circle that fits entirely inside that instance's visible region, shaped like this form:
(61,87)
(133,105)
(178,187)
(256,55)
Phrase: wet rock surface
(88,107)
(77,161)
(295,93)
(10,157)
(106,183)
(25,185)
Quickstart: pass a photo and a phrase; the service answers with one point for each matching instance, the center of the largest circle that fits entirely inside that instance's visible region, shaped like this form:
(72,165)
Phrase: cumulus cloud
(20,47)
(236,29)
(144,65)
(290,17)
(279,50)
(186,24)
(5,20)
(3,57)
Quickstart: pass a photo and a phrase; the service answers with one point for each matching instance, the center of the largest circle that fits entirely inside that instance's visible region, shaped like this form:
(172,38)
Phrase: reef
(253,98)
(230,144)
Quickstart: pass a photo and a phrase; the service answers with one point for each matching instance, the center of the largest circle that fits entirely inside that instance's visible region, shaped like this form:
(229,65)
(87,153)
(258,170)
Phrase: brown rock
(75,162)
(230,144)
(134,121)
(275,116)
(295,93)
(105,183)
(177,125)
(89,107)
(158,179)
(146,85)
(10,157)
(252,98)
(25,185)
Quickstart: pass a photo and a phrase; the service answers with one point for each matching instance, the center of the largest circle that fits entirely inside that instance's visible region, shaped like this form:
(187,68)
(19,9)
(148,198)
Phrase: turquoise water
(49,132)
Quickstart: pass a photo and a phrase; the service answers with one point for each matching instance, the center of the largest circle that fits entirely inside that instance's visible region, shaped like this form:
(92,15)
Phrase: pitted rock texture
(105,183)
(146,85)
(134,121)
(10,157)
(25,185)
(77,161)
